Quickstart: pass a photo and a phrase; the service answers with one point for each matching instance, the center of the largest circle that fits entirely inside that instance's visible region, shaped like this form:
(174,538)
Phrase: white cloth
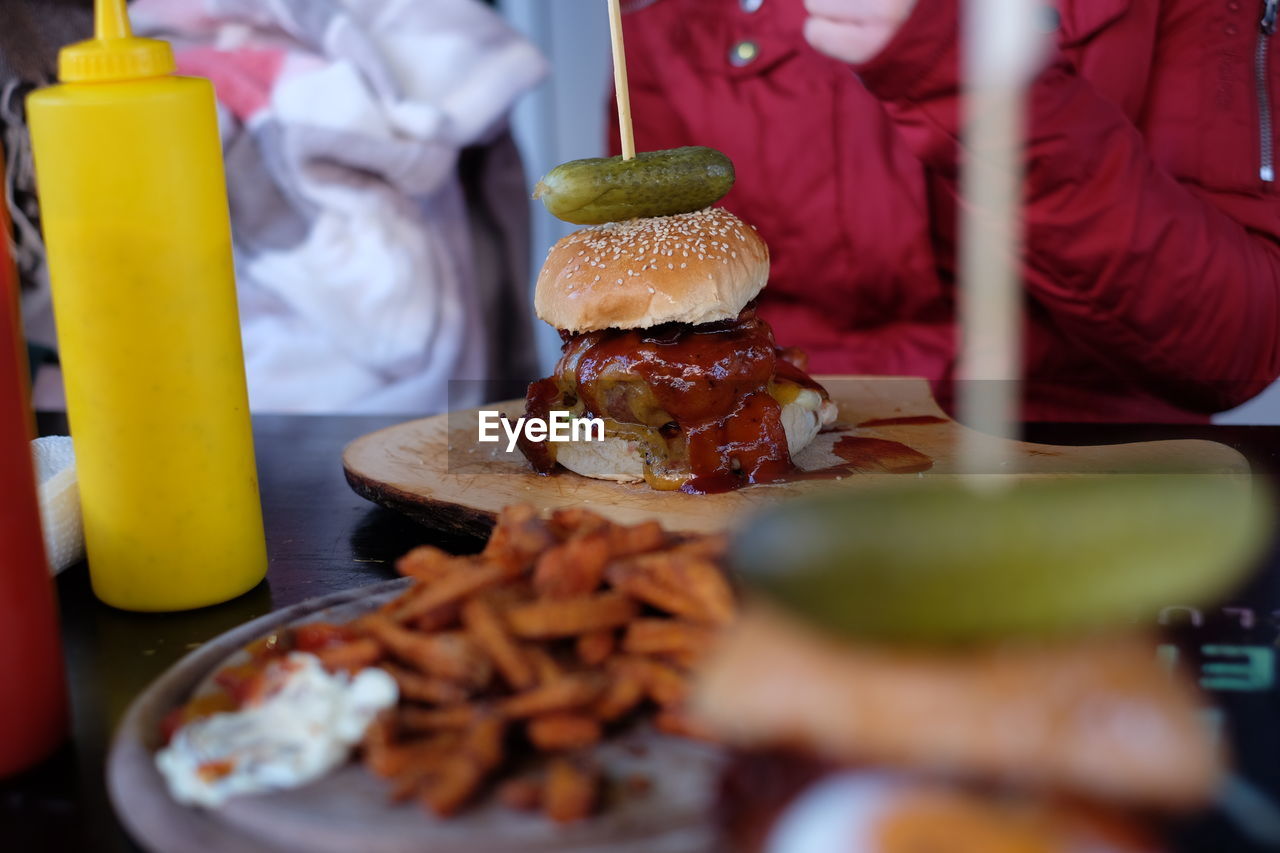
(59,494)
(343,122)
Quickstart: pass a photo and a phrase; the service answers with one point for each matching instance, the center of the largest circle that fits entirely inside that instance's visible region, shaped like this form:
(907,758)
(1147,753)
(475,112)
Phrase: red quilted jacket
(1152,270)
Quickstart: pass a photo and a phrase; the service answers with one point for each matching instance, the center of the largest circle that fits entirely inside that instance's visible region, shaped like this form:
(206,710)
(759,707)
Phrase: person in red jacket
(1152,213)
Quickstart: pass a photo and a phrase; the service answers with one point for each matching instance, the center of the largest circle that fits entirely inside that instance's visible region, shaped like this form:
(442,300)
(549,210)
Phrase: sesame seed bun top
(697,267)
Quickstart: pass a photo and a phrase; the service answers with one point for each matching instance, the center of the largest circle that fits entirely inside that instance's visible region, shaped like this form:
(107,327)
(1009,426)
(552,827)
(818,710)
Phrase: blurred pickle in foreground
(941,562)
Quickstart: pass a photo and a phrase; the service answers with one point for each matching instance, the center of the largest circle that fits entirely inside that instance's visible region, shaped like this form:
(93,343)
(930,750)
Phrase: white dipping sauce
(305,727)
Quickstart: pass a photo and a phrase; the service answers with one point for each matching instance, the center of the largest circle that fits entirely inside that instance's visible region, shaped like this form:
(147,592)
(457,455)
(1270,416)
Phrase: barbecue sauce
(704,390)
(864,453)
(542,395)
(906,420)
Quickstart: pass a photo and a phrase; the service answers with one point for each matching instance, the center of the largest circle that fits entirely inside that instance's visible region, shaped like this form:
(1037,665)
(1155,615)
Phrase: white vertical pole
(1000,48)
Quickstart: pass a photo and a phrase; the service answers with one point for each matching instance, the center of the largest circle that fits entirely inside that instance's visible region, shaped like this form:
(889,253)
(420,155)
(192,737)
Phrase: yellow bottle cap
(113,53)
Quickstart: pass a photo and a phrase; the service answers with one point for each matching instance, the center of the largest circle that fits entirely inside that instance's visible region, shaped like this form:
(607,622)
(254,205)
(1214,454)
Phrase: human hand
(853,31)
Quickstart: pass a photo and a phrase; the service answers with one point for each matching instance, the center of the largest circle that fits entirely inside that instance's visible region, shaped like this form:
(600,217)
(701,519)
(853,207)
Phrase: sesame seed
(641,244)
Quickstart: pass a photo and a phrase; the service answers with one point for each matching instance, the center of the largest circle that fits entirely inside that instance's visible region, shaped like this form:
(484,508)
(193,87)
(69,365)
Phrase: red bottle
(33,699)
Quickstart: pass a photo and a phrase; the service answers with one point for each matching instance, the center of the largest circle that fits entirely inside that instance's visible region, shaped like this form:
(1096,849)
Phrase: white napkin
(55,462)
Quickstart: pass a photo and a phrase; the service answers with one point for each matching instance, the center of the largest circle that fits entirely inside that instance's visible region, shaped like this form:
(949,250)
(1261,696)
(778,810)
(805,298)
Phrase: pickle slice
(653,183)
(939,563)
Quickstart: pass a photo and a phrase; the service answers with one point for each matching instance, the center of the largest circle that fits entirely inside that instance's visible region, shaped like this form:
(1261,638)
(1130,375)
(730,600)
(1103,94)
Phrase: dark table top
(322,538)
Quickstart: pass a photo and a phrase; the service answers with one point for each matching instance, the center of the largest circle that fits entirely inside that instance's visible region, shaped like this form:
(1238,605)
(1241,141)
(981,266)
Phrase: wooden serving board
(350,810)
(434,470)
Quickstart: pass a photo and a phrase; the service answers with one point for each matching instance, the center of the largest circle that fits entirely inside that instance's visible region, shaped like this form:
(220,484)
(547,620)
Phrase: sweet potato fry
(508,595)
(703,546)
(565,694)
(377,745)
(427,564)
(576,521)
(571,791)
(416,687)
(573,569)
(461,582)
(595,648)
(642,581)
(683,586)
(517,539)
(409,765)
(483,741)
(571,616)
(708,584)
(413,779)
(438,719)
(521,794)
(674,637)
(637,539)
(563,730)
(625,691)
(452,656)
(462,774)
(545,666)
(440,619)
(486,630)
(662,683)
(457,782)
(351,656)
(685,661)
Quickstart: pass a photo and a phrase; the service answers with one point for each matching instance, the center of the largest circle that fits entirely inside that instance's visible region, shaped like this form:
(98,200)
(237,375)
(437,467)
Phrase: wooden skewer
(1001,42)
(620,80)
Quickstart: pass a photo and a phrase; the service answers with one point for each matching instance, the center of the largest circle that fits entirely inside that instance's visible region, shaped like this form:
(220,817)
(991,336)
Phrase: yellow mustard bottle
(136,224)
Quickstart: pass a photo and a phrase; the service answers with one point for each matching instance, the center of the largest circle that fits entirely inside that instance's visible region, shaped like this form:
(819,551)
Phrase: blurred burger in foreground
(1031,747)
(955,667)
(662,342)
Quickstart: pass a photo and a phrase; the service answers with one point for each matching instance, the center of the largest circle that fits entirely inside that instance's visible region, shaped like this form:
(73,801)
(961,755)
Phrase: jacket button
(750,6)
(1233,6)
(1231,29)
(743,53)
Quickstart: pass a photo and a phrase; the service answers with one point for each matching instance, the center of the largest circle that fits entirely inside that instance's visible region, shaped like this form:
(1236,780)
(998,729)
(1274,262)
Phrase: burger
(663,343)
(1065,745)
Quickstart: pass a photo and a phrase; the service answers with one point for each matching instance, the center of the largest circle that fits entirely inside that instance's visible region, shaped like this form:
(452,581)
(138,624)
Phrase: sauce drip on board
(865,455)
(906,420)
(701,394)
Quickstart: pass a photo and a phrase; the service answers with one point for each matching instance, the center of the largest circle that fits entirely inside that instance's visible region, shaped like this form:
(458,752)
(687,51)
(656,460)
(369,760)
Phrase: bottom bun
(1056,714)
(622,459)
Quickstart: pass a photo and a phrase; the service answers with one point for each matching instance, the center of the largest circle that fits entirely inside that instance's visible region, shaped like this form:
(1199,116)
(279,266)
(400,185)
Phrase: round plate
(350,809)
